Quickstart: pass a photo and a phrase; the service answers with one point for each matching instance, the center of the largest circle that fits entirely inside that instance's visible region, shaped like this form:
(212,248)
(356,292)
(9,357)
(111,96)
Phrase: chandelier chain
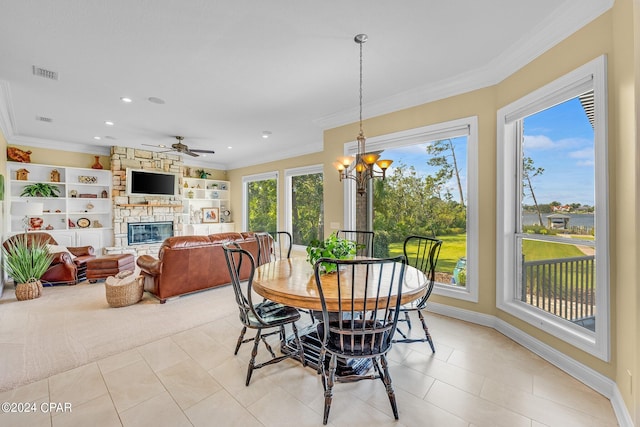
(361,43)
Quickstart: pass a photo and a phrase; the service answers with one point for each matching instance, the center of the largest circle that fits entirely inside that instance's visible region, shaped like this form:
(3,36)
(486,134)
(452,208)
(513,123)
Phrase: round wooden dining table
(291,281)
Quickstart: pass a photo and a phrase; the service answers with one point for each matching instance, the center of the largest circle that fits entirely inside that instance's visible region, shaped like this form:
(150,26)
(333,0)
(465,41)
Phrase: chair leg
(298,344)
(328,392)
(426,331)
(240,338)
(387,382)
(407,319)
(254,353)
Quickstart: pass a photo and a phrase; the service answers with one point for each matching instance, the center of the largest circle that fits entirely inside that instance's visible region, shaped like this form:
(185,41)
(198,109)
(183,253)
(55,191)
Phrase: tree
(529,171)
(262,200)
(441,151)
(307,208)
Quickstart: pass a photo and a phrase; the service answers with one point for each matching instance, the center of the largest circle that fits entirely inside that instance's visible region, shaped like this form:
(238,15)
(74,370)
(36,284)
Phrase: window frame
(245,195)
(593,76)
(464,126)
(288,184)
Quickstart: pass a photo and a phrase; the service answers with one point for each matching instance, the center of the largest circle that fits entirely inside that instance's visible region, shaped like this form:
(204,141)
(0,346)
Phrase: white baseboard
(600,383)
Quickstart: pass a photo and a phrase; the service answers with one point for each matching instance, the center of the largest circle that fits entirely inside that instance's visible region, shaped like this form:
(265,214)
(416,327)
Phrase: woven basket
(30,290)
(121,293)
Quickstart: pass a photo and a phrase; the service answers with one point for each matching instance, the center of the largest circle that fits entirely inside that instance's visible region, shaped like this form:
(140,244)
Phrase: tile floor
(477,377)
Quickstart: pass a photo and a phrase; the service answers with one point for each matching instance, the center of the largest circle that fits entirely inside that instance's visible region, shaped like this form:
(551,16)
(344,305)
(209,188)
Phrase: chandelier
(361,168)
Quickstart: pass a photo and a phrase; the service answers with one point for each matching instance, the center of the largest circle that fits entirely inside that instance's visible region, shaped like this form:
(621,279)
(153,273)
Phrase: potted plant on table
(331,247)
(26,263)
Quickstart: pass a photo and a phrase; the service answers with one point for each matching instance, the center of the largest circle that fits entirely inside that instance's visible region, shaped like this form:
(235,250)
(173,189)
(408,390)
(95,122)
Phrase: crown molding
(565,20)
(6,108)
(301,149)
(60,145)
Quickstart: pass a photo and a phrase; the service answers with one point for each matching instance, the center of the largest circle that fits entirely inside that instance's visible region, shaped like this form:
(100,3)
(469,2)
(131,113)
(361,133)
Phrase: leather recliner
(63,269)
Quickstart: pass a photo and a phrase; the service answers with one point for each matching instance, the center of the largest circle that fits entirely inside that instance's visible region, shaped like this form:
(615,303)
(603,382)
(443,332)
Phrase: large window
(260,202)
(552,241)
(431,190)
(304,204)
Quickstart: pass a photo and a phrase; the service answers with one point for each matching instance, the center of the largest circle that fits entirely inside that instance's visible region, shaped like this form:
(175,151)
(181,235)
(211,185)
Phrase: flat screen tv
(151,183)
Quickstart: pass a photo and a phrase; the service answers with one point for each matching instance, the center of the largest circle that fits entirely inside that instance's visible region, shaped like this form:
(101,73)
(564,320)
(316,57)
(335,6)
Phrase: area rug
(69,326)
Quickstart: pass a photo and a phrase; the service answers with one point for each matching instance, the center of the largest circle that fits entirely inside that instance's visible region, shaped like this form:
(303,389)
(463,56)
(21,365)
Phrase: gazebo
(558,221)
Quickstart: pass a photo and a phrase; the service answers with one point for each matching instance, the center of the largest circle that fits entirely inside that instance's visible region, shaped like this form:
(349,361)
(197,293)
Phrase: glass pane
(425,193)
(559,278)
(307,210)
(558,193)
(262,205)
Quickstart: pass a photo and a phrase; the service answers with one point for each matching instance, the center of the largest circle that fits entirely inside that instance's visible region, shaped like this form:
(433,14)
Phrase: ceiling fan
(182,148)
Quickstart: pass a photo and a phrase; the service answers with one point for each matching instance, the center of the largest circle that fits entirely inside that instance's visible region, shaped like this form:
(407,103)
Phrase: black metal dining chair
(422,253)
(363,239)
(282,244)
(362,328)
(261,316)
(273,246)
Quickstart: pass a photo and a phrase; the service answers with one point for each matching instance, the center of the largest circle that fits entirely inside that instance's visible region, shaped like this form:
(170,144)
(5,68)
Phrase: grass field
(454,247)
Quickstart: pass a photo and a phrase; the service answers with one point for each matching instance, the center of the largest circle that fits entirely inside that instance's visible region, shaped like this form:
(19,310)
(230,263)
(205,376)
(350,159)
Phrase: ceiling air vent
(43,72)
(44,119)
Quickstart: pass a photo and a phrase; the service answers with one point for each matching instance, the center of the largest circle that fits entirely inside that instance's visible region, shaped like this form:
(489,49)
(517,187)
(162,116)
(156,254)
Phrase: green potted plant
(26,263)
(202,174)
(331,247)
(40,189)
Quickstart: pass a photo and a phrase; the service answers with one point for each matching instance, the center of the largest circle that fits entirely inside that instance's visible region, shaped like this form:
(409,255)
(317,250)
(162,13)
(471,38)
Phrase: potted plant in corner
(26,263)
(40,189)
(331,247)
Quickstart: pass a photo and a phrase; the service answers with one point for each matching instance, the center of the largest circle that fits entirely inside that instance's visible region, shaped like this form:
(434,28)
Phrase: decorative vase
(36,223)
(29,290)
(96,164)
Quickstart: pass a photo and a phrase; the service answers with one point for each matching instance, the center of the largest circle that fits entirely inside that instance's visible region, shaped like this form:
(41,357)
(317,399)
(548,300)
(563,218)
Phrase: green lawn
(454,247)
(535,250)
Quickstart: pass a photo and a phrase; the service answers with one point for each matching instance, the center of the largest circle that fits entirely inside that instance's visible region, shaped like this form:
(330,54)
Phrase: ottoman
(109,265)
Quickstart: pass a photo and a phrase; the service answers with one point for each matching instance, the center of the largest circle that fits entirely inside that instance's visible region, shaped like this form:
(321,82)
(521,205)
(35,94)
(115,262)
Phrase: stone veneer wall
(155,209)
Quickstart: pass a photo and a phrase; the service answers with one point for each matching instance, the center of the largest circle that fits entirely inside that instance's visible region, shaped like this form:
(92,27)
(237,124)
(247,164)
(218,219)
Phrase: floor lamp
(26,210)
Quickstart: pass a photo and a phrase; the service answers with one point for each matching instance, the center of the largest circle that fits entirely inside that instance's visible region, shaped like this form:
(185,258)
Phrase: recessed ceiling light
(109,123)
(266,134)
(97,138)
(162,146)
(229,147)
(126,100)
(155,100)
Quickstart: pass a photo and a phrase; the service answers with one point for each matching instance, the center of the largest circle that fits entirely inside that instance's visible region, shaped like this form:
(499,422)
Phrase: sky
(559,140)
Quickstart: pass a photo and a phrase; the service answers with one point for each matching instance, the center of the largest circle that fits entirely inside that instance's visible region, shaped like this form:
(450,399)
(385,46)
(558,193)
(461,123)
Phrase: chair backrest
(283,244)
(235,257)
(34,237)
(265,247)
(364,240)
(273,246)
(422,253)
(363,321)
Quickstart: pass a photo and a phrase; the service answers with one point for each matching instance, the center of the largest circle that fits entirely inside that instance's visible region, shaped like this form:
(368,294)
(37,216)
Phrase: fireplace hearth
(139,233)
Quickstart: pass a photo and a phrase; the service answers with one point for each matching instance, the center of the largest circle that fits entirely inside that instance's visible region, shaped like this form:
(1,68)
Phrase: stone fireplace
(142,210)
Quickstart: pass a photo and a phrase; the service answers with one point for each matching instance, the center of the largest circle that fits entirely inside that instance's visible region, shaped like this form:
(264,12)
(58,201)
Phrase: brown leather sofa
(188,264)
(63,270)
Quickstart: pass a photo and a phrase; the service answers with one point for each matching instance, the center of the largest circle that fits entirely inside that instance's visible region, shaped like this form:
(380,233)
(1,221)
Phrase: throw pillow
(54,249)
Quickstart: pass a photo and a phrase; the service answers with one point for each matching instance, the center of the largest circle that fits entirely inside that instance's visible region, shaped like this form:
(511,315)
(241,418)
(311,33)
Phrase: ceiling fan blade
(203,151)
(191,153)
(164,148)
